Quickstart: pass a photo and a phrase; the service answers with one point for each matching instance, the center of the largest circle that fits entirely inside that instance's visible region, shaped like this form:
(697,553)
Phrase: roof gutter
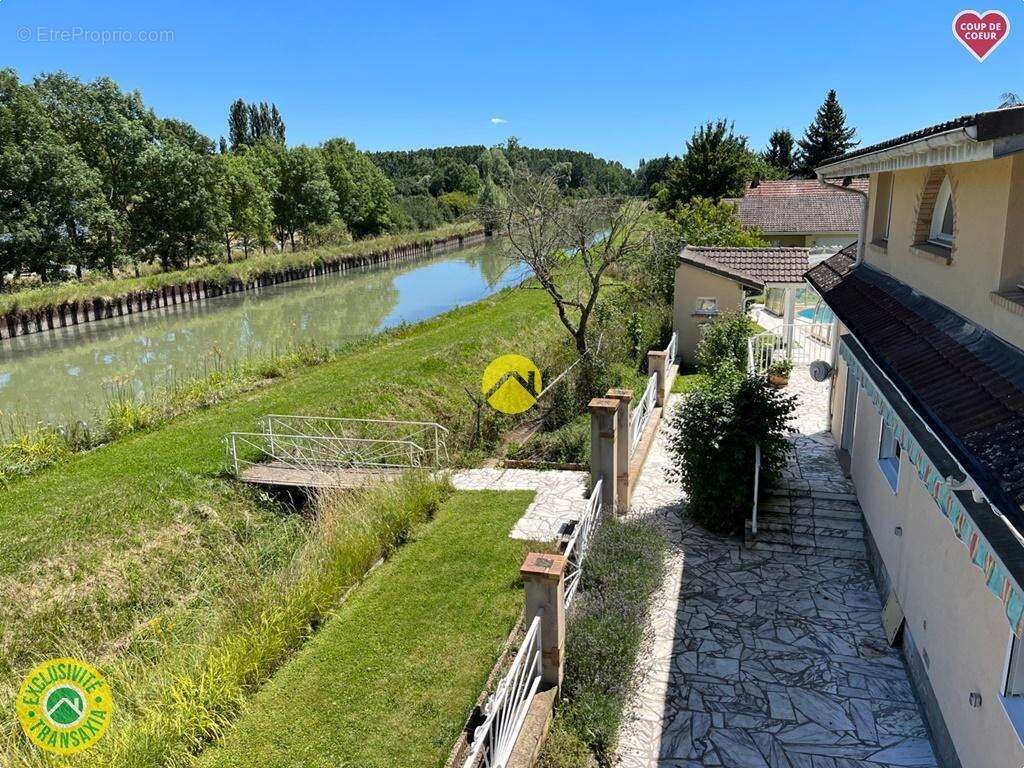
(863,213)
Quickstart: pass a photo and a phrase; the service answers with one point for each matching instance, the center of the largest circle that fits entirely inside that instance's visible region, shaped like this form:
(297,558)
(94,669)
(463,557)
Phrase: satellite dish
(820,370)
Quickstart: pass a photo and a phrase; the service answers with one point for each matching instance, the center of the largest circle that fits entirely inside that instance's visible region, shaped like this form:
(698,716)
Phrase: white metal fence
(642,413)
(579,543)
(319,442)
(506,709)
(672,349)
(800,343)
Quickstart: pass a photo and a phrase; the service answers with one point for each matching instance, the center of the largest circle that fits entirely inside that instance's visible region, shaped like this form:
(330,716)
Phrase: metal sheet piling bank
(72,313)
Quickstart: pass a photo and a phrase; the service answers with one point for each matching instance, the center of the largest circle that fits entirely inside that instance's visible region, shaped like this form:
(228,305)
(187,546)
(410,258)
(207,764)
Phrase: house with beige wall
(927,407)
(711,280)
(802,213)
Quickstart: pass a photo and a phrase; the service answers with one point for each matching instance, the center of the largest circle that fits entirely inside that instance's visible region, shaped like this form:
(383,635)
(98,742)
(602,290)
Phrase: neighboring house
(714,279)
(928,403)
(802,213)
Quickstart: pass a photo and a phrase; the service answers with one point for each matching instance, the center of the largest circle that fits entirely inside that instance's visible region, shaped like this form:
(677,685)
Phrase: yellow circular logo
(64,705)
(511,384)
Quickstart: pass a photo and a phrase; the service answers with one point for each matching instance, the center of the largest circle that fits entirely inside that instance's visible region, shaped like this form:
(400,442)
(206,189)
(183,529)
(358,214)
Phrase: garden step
(823,549)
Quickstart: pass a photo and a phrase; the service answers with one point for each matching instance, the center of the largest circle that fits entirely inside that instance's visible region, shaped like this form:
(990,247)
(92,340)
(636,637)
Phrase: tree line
(719,163)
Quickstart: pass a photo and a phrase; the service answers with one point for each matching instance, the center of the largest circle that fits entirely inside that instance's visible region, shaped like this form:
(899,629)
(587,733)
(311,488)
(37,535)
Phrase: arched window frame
(943,199)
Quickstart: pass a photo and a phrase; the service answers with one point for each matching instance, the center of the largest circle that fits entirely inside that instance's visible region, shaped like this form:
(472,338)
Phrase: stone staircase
(799,518)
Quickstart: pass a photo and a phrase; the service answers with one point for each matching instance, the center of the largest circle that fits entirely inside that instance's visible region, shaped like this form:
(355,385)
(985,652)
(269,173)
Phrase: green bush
(564,748)
(725,340)
(603,636)
(712,438)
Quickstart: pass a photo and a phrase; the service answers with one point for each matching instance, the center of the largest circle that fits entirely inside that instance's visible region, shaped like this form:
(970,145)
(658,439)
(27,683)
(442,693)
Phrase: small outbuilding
(715,279)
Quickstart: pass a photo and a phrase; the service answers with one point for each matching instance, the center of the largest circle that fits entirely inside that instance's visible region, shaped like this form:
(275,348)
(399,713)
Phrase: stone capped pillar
(622,438)
(603,462)
(544,588)
(657,364)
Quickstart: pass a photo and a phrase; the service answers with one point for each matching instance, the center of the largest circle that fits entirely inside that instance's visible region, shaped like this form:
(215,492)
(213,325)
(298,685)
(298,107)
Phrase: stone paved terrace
(773,657)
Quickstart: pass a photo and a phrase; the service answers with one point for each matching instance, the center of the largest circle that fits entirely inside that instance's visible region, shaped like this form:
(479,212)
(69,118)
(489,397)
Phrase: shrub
(31,452)
(725,340)
(603,636)
(782,368)
(712,438)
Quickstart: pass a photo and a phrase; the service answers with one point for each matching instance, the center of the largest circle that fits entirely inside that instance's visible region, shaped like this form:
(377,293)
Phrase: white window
(707,306)
(1014,684)
(889,456)
(942,215)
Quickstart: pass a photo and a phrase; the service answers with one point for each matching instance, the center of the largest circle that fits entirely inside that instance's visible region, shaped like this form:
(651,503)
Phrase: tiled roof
(993,124)
(964,381)
(800,206)
(752,266)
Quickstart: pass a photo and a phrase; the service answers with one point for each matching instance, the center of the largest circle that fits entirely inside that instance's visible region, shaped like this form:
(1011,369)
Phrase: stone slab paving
(560,497)
(768,659)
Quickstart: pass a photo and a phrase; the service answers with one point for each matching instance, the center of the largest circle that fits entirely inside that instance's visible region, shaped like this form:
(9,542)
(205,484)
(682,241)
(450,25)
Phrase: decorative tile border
(997,579)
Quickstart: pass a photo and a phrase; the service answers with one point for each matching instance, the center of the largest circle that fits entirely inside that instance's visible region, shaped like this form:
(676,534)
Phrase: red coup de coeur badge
(981,33)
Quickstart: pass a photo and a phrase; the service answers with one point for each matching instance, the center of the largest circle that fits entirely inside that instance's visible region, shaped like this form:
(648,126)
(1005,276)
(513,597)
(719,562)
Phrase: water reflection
(60,376)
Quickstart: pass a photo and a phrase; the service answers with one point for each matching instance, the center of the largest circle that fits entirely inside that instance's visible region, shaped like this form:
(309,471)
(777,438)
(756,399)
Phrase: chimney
(847,180)
(756,182)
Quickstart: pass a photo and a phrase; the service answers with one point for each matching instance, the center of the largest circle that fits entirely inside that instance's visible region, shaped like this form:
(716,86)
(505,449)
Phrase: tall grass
(260,626)
(219,274)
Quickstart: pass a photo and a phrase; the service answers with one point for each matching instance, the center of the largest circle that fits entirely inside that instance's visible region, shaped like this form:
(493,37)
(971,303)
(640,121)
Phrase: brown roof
(753,267)
(994,124)
(799,205)
(965,382)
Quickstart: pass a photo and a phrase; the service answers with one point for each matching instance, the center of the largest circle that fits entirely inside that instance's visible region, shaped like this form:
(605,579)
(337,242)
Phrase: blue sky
(621,80)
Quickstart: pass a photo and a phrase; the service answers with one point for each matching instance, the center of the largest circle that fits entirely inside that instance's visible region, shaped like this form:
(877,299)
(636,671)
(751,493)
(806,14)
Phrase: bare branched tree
(570,245)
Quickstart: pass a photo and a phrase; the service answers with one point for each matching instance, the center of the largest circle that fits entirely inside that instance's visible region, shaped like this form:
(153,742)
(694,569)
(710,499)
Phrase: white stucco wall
(956,622)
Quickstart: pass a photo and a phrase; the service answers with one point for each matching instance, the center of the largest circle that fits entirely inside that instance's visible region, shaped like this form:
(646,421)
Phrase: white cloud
(498,120)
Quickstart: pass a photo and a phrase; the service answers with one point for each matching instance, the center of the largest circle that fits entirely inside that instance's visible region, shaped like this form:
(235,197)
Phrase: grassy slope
(145,533)
(419,371)
(389,680)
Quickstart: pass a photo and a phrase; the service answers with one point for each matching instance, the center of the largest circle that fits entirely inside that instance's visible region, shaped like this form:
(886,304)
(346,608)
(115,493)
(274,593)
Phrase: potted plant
(778,373)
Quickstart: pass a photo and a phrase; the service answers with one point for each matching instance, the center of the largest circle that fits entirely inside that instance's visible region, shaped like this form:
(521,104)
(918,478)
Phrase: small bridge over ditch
(328,452)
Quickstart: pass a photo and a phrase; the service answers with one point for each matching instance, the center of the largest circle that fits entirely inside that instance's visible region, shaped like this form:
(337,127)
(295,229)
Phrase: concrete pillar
(657,363)
(544,587)
(622,439)
(789,319)
(603,462)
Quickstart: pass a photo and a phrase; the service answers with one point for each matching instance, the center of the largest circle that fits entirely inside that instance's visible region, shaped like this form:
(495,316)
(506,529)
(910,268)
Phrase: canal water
(67,375)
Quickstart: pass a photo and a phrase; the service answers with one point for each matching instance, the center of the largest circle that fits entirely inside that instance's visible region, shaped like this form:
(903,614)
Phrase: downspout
(861,240)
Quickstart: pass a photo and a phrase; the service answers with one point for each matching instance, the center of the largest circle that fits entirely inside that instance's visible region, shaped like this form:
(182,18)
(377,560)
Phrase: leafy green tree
(421,210)
(170,129)
(492,201)
(238,124)
(181,211)
(453,175)
(651,174)
(51,201)
(363,191)
(493,163)
(717,164)
(112,130)
(826,137)
(303,198)
(249,210)
(780,151)
(705,222)
(455,205)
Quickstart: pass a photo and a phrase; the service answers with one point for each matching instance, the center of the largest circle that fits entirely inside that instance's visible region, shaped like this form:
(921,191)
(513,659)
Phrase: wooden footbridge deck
(327,452)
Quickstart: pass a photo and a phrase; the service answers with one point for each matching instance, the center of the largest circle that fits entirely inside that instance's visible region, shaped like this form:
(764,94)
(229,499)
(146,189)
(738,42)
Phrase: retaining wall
(67,314)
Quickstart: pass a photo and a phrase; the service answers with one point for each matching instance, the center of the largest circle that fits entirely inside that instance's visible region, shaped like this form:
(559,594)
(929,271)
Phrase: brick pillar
(657,363)
(544,588)
(622,438)
(602,447)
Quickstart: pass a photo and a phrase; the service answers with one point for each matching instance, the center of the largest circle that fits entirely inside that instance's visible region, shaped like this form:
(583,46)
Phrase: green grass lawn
(390,679)
(684,382)
(143,547)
